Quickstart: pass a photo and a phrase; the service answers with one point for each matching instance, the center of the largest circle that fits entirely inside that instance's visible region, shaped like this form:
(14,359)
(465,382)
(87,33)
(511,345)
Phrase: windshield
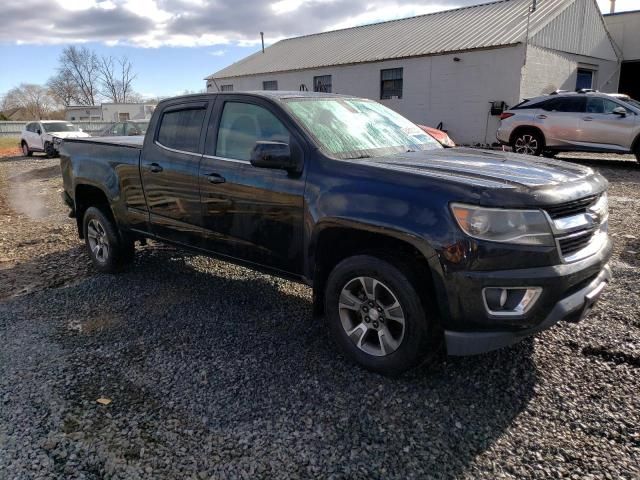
(357,128)
(60,127)
(632,101)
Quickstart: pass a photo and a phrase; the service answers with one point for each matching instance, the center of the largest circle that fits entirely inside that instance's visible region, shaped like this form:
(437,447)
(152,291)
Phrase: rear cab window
(575,104)
(181,127)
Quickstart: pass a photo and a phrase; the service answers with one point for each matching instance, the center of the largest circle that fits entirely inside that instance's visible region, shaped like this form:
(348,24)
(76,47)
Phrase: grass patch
(8,142)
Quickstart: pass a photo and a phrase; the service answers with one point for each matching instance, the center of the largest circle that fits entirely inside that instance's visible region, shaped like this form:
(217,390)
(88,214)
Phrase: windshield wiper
(364,155)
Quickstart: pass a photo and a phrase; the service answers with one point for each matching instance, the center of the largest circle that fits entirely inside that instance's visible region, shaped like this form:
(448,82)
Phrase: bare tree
(116,78)
(83,66)
(33,99)
(63,88)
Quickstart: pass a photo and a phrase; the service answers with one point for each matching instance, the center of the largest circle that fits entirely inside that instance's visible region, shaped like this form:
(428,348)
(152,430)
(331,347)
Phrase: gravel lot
(215,371)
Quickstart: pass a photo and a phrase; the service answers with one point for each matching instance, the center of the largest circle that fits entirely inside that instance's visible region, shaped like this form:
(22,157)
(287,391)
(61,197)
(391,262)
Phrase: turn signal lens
(505,115)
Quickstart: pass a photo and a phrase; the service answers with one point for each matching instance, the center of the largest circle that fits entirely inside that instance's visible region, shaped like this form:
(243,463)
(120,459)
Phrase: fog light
(513,301)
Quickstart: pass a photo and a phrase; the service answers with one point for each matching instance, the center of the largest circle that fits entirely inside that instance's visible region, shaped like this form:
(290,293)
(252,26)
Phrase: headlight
(522,227)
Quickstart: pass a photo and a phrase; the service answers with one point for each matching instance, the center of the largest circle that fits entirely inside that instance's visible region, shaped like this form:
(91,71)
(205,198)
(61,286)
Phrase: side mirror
(275,155)
(619,111)
(39,132)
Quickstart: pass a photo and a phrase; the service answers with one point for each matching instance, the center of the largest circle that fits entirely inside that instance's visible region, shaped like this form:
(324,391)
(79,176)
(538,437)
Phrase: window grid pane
(391,83)
(322,83)
(270,85)
(226,88)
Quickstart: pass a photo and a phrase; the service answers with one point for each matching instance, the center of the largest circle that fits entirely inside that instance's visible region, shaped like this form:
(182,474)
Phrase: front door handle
(587,119)
(541,117)
(215,178)
(155,168)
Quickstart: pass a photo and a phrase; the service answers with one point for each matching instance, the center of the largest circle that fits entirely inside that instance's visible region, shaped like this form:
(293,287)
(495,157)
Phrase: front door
(600,127)
(252,214)
(169,170)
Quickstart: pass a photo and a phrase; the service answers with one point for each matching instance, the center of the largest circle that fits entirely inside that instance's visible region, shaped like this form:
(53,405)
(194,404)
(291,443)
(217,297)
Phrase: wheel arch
(86,196)
(527,128)
(334,243)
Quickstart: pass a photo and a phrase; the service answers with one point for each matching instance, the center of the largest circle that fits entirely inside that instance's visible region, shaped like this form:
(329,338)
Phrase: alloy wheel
(25,149)
(371,316)
(526,144)
(98,240)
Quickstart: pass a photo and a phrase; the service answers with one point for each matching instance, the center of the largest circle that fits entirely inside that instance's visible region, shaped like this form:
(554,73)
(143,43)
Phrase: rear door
(252,214)
(558,119)
(169,171)
(600,127)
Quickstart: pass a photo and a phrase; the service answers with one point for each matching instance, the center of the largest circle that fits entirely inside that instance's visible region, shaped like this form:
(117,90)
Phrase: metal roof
(487,25)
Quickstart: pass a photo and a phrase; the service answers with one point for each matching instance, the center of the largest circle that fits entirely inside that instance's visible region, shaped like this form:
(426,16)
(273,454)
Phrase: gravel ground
(215,371)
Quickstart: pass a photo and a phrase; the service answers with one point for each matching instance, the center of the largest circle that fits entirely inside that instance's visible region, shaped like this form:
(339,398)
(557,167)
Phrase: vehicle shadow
(236,359)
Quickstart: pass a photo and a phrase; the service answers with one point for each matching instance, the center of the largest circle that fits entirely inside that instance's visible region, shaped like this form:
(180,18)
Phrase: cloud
(156,23)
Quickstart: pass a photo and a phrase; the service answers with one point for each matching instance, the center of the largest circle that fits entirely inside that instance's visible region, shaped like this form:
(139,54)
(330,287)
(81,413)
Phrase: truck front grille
(571,208)
(575,242)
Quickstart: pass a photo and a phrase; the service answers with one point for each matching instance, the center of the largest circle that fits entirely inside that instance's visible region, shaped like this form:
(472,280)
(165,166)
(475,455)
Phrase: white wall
(435,89)
(625,30)
(136,111)
(549,70)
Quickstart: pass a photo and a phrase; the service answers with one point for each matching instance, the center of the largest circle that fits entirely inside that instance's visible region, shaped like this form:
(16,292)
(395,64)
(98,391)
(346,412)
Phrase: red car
(439,135)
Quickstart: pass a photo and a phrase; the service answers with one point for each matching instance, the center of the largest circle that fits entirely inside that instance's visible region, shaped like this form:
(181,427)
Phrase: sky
(174,44)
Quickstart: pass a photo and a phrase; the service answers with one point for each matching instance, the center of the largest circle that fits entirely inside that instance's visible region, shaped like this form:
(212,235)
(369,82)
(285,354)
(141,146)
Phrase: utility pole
(262,38)
(613,6)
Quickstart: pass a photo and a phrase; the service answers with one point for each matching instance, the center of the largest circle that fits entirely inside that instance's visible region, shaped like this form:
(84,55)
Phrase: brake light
(505,115)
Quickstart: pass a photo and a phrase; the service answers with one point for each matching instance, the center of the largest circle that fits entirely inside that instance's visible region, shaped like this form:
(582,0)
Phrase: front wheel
(528,142)
(376,316)
(109,251)
(25,150)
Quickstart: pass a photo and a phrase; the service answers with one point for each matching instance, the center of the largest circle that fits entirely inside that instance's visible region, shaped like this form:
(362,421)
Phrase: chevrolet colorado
(407,245)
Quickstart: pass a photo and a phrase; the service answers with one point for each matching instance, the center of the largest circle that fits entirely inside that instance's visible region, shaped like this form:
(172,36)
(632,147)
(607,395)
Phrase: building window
(322,83)
(391,83)
(270,85)
(226,88)
(584,79)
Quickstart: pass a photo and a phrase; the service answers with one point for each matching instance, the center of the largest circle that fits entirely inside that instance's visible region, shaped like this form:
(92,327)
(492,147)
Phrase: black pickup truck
(408,246)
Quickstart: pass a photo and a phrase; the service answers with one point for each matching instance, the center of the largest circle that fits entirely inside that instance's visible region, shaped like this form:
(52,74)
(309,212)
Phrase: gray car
(572,122)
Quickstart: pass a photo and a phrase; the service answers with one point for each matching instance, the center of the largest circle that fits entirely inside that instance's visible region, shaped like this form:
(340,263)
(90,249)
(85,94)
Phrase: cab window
(180,129)
(242,125)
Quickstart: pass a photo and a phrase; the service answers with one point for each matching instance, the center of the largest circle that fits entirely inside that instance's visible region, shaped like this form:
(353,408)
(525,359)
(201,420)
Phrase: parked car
(124,129)
(406,244)
(442,137)
(46,135)
(572,122)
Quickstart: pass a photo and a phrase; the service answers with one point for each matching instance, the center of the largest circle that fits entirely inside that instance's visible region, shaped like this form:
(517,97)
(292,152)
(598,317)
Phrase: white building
(625,30)
(448,66)
(110,112)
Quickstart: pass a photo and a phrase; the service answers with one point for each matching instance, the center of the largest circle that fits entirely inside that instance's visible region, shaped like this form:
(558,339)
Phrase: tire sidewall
(112,264)
(414,344)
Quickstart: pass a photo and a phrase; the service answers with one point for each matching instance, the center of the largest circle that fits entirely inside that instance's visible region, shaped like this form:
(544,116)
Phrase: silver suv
(576,122)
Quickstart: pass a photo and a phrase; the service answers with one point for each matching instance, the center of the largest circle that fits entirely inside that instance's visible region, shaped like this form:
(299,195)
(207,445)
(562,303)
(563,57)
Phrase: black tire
(549,154)
(637,152)
(419,337)
(120,248)
(528,142)
(49,150)
(25,149)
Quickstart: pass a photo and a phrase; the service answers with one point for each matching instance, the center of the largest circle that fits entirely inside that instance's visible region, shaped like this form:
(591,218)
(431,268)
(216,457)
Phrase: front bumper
(568,292)
(571,308)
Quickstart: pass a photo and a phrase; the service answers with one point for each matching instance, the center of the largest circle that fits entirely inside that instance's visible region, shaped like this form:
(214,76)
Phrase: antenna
(262,38)
(533,7)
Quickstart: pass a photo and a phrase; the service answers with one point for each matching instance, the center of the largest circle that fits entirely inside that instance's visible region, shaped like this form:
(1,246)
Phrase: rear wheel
(25,150)
(528,142)
(376,316)
(109,251)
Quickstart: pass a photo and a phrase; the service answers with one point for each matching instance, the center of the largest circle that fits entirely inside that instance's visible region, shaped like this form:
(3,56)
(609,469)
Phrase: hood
(69,134)
(546,180)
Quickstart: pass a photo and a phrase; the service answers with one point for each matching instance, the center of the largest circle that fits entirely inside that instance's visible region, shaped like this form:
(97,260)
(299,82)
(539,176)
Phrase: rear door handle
(541,117)
(155,168)
(215,178)
(587,119)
